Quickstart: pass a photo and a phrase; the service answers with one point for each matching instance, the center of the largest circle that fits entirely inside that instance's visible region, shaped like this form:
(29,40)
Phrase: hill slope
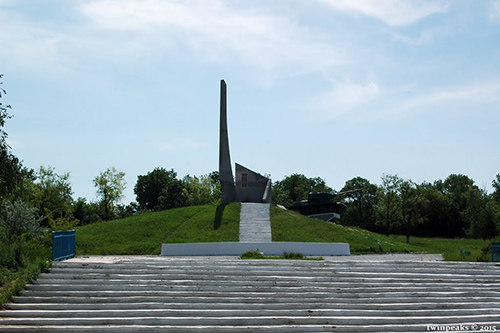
(144,233)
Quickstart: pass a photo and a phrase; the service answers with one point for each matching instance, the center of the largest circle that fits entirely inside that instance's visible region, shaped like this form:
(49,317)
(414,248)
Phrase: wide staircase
(225,294)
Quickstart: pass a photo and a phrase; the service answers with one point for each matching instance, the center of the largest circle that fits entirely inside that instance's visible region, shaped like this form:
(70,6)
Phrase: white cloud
(123,31)
(346,97)
(495,12)
(368,102)
(459,100)
(216,32)
(392,12)
(483,94)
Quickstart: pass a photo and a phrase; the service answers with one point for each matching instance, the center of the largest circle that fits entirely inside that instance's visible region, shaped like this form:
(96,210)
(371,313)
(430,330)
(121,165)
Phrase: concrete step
(255,224)
(231,295)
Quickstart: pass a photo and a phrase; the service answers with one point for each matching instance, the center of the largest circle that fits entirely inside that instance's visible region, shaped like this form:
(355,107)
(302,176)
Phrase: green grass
(288,226)
(255,254)
(35,260)
(454,249)
(144,233)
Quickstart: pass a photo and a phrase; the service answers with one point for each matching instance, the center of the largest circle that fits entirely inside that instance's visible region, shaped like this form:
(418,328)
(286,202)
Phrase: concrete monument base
(236,249)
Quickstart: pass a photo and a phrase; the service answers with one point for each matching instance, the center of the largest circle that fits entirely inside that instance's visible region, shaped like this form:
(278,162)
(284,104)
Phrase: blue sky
(328,88)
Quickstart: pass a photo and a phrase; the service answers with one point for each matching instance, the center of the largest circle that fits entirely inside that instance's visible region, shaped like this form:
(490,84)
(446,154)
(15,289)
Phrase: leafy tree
(412,207)
(496,186)
(123,211)
(437,213)
(296,187)
(159,189)
(172,195)
(388,207)
(53,197)
(202,190)
(86,213)
(360,209)
(110,185)
(11,170)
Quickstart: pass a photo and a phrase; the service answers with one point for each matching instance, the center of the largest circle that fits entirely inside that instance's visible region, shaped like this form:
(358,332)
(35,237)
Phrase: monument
(254,191)
(250,186)
(225,171)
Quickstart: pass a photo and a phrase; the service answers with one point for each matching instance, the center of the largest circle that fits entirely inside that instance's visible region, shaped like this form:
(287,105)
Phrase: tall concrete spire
(225,170)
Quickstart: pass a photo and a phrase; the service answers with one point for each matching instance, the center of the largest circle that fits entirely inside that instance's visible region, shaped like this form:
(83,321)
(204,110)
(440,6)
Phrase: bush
(18,219)
(10,254)
(254,254)
(293,255)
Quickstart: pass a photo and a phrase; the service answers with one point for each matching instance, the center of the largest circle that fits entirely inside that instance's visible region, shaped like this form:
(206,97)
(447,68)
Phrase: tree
(159,189)
(110,185)
(437,213)
(53,198)
(360,209)
(388,207)
(84,212)
(202,190)
(496,186)
(18,224)
(11,170)
(412,207)
(296,187)
(17,218)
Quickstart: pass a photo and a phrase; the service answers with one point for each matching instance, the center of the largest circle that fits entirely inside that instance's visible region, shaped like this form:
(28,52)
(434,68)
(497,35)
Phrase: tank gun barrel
(350,191)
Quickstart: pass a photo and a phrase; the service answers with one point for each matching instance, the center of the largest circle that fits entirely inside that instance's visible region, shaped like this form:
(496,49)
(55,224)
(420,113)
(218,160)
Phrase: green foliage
(455,207)
(296,187)
(35,258)
(10,253)
(361,205)
(389,204)
(110,185)
(86,213)
(496,186)
(288,226)
(144,233)
(203,190)
(454,249)
(17,219)
(52,196)
(253,254)
(159,189)
(256,254)
(293,255)
(285,256)
(11,170)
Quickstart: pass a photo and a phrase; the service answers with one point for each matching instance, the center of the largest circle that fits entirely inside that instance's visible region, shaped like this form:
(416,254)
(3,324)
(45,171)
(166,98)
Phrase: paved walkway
(255,225)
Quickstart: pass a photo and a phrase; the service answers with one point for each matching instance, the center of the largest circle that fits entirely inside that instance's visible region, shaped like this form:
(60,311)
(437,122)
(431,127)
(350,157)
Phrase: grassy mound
(144,234)
(288,226)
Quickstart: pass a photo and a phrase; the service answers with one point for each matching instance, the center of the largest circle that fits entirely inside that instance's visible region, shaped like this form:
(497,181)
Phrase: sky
(326,88)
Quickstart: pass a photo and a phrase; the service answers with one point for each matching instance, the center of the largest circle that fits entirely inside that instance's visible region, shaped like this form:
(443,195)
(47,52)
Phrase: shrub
(18,219)
(293,255)
(254,254)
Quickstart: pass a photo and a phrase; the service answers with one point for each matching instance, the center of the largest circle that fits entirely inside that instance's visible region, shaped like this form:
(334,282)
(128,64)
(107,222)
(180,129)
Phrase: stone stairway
(255,224)
(225,294)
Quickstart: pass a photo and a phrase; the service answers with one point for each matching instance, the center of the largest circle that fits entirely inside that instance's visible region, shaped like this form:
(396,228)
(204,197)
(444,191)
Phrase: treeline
(455,207)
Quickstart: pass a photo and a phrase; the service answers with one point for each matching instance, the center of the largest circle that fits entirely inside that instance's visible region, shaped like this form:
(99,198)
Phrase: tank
(320,205)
